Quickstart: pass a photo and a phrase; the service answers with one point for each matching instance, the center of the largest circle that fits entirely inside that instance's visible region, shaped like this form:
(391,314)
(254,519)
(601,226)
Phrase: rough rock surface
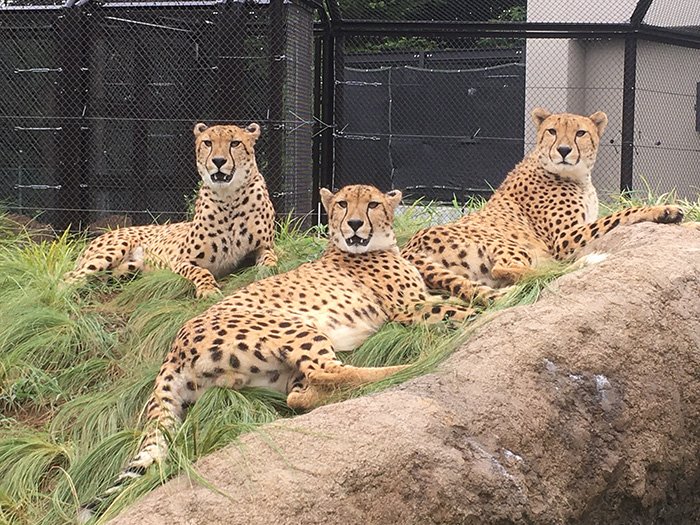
(581,408)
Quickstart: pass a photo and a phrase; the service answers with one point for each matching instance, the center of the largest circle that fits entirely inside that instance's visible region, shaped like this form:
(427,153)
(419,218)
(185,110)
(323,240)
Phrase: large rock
(581,408)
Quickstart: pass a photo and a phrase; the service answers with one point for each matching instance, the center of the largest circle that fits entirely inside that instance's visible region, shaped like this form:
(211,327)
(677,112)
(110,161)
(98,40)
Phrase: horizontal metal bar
(191,3)
(40,70)
(21,128)
(31,8)
(37,187)
(154,213)
(147,24)
(514,30)
(171,4)
(669,36)
(482,29)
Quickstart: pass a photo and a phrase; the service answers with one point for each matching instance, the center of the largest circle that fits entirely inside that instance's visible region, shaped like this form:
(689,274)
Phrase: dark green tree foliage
(446,10)
(425,10)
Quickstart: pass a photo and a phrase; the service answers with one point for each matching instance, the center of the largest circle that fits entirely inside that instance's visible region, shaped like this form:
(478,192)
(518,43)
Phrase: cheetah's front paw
(304,399)
(207,291)
(485,295)
(669,215)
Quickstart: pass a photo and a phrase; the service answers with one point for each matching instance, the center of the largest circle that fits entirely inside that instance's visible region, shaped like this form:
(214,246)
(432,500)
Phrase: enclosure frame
(333,32)
(330,32)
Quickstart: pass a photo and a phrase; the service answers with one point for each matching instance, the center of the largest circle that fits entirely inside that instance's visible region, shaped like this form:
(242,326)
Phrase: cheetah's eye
(343,204)
(581,133)
(235,143)
(372,205)
(552,131)
(207,143)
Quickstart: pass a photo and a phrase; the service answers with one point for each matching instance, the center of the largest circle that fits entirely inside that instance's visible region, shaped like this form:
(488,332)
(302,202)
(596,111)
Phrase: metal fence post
(327,105)
(628,102)
(629,88)
(144,109)
(72,33)
(316,130)
(276,93)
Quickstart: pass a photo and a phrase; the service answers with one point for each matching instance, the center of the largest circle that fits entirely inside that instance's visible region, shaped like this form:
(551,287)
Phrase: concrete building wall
(604,65)
(582,77)
(667,146)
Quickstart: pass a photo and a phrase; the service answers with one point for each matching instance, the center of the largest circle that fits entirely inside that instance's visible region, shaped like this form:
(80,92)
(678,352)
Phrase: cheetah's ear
(198,128)
(326,197)
(600,120)
(254,129)
(538,116)
(394,197)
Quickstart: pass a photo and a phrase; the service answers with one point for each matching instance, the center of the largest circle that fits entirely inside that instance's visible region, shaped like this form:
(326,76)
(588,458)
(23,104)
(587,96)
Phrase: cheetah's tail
(153,449)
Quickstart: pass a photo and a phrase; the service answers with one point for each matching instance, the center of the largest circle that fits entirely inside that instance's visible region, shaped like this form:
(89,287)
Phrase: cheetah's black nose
(355,224)
(218,161)
(564,151)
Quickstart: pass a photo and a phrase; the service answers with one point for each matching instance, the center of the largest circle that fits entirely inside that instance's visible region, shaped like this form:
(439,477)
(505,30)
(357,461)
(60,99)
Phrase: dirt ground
(15,224)
(582,408)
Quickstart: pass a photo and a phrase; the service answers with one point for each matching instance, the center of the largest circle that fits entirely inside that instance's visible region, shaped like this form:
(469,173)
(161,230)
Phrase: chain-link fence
(99,100)
(434,97)
(428,96)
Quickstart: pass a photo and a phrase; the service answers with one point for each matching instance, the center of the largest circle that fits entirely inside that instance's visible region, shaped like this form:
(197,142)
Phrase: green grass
(77,364)
(649,196)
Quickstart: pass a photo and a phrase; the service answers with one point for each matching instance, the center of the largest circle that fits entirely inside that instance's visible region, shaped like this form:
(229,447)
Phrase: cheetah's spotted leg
(439,277)
(313,393)
(132,263)
(123,258)
(91,265)
(514,259)
(435,310)
(510,272)
(572,241)
(336,373)
(312,354)
(306,397)
(202,278)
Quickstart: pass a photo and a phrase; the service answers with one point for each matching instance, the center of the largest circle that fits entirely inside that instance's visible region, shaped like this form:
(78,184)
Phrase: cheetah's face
(360,218)
(567,144)
(225,154)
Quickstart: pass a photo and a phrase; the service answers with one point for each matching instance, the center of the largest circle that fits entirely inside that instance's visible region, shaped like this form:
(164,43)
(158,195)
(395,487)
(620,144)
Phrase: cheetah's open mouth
(221,177)
(356,240)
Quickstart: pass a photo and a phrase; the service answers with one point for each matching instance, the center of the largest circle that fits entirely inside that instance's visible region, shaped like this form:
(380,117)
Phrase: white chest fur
(590,202)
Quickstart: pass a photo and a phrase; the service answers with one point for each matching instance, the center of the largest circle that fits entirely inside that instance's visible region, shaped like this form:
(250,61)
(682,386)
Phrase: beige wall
(610,11)
(665,118)
(579,85)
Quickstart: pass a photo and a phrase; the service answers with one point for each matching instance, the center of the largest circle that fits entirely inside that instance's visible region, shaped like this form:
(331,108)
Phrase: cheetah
(233,219)
(545,209)
(283,332)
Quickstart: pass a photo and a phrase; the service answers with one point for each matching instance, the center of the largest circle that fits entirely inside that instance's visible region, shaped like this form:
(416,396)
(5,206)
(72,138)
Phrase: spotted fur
(233,219)
(283,332)
(546,208)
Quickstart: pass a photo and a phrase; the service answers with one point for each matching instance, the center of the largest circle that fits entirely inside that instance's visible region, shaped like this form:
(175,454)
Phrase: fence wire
(99,102)
(445,118)
(432,97)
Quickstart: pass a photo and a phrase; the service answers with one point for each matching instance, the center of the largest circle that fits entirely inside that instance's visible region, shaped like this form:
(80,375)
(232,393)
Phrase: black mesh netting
(432,97)
(445,117)
(99,102)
